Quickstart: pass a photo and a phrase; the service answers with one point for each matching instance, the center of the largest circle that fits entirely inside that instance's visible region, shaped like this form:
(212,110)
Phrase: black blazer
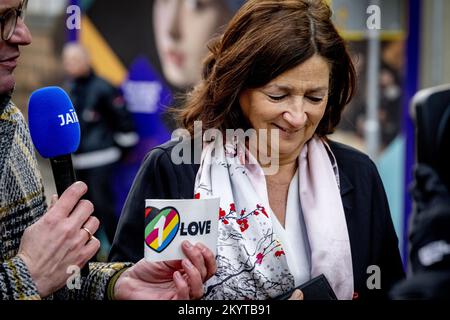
(372,236)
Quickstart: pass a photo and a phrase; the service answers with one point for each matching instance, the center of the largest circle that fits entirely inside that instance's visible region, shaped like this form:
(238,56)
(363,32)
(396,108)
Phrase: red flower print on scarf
(279,253)
(243,223)
(261,209)
(259,258)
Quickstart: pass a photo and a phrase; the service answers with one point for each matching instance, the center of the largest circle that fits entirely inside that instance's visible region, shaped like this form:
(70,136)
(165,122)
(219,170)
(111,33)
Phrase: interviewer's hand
(174,280)
(58,241)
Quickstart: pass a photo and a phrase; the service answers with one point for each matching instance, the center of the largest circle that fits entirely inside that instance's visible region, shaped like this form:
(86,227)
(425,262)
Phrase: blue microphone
(55,132)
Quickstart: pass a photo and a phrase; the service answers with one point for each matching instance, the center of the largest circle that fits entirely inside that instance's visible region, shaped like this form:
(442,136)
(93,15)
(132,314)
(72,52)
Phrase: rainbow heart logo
(161,227)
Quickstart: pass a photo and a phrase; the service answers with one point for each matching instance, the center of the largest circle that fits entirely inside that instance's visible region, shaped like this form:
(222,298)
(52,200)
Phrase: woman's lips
(286,133)
(175,58)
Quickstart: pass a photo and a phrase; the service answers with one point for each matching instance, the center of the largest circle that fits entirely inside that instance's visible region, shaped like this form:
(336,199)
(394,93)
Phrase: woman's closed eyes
(278,98)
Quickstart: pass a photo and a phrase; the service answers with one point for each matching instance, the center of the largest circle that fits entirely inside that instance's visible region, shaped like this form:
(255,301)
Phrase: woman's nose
(174,24)
(296,116)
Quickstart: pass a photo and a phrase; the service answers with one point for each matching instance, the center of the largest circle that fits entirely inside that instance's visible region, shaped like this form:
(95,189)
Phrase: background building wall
(435,53)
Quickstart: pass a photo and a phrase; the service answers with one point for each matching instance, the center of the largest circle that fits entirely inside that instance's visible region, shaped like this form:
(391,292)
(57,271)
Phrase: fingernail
(187,244)
(298,294)
(201,247)
(80,186)
(188,264)
(177,275)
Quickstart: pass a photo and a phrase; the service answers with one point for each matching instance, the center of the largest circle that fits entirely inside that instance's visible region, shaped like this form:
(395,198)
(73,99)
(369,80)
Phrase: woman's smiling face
(293,103)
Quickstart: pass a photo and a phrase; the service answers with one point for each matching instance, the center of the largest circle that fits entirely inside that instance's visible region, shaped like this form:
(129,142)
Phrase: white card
(170,222)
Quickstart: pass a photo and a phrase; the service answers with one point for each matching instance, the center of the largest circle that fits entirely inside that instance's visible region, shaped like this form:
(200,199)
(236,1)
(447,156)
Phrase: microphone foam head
(53,122)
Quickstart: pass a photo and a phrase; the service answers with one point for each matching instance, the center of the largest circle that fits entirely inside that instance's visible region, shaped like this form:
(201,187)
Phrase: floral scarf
(252,264)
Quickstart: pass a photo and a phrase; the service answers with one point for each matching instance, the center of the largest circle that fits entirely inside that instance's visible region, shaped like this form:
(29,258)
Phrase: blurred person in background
(107,132)
(350,129)
(429,237)
(391,70)
(390,102)
(38,245)
(429,240)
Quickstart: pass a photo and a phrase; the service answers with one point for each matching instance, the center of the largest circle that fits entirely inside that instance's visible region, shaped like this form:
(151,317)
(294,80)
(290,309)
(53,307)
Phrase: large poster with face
(153,50)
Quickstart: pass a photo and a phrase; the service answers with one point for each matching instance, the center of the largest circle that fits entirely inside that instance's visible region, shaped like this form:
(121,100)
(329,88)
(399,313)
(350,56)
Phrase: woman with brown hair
(280,68)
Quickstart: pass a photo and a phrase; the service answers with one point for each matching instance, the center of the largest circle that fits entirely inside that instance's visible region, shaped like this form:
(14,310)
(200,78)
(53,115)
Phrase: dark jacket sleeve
(150,183)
